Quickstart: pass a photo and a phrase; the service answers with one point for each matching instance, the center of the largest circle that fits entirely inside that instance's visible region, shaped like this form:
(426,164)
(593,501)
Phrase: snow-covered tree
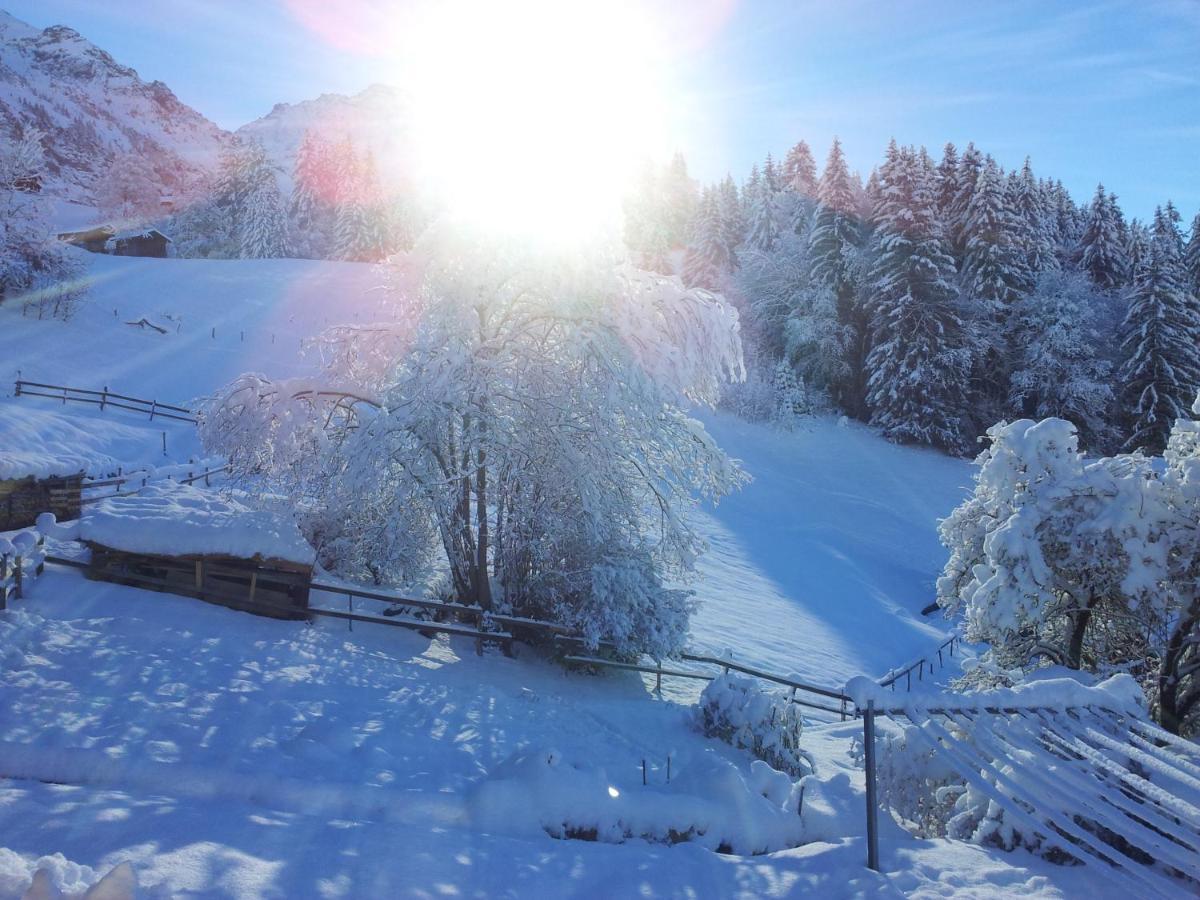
(315,191)
(800,171)
(680,199)
(947,186)
(1191,257)
(733,222)
(35,270)
(993,272)
(262,222)
(970,164)
(918,362)
(1048,555)
(1101,251)
(1034,235)
(1058,369)
(530,410)
(127,192)
(762,224)
(707,261)
(791,397)
(1160,349)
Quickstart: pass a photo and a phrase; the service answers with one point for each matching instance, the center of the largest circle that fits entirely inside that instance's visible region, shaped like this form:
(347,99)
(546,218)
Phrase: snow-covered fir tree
(707,261)
(791,398)
(1031,207)
(311,209)
(1191,256)
(800,171)
(262,222)
(918,362)
(970,163)
(762,224)
(947,185)
(1160,374)
(1101,251)
(1058,368)
(733,222)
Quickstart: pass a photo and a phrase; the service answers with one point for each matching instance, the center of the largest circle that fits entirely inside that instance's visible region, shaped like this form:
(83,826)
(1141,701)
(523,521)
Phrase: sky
(1091,91)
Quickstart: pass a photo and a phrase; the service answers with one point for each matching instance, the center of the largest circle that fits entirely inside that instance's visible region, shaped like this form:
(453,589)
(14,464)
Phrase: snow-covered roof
(138,233)
(171,519)
(43,443)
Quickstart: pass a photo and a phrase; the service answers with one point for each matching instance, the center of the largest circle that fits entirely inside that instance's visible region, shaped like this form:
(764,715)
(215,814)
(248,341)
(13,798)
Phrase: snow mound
(176,519)
(57,878)
(44,443)
(711,802)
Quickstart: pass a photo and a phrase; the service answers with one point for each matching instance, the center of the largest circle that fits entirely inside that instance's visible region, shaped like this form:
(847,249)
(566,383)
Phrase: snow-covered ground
(228,755)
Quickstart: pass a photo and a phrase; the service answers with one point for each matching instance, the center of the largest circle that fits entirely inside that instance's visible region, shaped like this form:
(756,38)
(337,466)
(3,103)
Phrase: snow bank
(1119,693)
(710,802)
(43,443)
(176,519)
(57,878)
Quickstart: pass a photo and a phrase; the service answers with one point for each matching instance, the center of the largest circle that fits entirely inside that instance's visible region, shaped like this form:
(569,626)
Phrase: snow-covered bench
(200,543)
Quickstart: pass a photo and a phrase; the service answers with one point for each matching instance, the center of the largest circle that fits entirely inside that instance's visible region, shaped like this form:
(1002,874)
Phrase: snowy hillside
(374,121)
(93,109)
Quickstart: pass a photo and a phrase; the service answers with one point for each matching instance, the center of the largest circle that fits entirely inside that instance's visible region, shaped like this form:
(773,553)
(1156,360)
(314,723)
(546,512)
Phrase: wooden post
(17,579)
(253,584)
(4,581)
(658,677)
(199,575)
(104,398)
(872,799)
(350,608)
(153,406)
(164,434)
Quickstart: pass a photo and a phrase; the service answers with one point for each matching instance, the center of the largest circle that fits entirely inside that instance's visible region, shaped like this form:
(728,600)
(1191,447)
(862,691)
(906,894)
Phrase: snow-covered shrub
(708,801)
(736,710)
(791,397)
(528,411)
(915,783)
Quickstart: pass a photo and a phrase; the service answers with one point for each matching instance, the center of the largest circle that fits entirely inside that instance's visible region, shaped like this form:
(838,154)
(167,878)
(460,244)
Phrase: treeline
(338,207)
(940,296)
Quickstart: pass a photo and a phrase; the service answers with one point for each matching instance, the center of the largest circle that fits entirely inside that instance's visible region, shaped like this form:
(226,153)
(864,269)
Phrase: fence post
(104,398)
(153,406)
(4,581)
(872,800)
(17,579)
(17,392)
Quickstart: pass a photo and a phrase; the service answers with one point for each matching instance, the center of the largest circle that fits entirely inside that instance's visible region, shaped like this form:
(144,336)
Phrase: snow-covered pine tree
(947,185)
(762,225)
(1160,374)
(1138,251)
(1101,251)
(1031,207)
(733,222)
(918,362)
(262,222)
(791,398)
(800,171)
(1191,257)
(680,199)
(707,260)
(1058,368)
(833,248)
(969,166)
(1067,222)
(311,208)
(771,175)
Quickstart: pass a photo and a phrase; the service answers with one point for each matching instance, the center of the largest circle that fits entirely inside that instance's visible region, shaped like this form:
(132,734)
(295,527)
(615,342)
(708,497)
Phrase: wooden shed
(200,543)
(22,500)
(91,239)
(140,242)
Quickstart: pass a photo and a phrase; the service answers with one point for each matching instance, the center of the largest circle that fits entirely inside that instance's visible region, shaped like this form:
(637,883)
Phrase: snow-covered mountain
(375,120)
(94,110)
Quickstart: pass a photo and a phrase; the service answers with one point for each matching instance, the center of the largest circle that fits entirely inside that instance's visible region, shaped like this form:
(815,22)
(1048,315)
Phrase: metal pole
(872,805)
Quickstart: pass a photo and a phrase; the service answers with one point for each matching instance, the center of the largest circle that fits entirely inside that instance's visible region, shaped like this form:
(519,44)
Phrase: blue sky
(1092,91)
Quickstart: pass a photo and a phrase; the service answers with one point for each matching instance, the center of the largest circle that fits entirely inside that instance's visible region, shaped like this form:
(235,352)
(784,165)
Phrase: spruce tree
(707,259)
(733,222)
(918,362)
(1101,251)
(994,272)
(947,183)
(310,212)
(262,226)
(969,166)
(833,249)
(1161,371)
(1191,257)
(1031,206)
(762,226)
(800,171)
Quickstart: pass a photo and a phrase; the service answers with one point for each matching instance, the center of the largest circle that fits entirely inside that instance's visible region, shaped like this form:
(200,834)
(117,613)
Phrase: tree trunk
(483,584)
(1172,707)
(1079,624)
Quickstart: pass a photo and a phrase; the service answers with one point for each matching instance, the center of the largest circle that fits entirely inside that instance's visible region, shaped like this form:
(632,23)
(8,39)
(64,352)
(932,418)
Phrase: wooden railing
(16,568)
(141,479)
(104,399)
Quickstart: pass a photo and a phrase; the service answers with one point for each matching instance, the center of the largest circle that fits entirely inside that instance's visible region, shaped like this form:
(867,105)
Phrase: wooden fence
(104,399)
(141,479)
(17,568)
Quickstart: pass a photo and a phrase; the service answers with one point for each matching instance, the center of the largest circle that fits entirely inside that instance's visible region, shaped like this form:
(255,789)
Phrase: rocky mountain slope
(93,110)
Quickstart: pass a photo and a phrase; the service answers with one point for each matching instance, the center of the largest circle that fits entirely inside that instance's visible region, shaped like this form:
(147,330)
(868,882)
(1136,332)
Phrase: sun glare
(530,117)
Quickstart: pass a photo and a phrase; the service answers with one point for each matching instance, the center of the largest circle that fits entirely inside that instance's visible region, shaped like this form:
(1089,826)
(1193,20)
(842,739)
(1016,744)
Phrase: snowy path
(821,566)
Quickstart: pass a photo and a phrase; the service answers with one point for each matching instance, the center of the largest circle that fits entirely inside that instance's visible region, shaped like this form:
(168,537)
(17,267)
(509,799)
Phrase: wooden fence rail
(104,399)
(17,568)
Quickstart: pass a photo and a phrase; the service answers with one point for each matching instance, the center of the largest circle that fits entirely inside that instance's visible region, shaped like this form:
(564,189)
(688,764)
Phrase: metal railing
(944,649)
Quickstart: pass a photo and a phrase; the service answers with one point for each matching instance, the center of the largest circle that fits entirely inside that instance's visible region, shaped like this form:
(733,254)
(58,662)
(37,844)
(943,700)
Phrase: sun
(529,117)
